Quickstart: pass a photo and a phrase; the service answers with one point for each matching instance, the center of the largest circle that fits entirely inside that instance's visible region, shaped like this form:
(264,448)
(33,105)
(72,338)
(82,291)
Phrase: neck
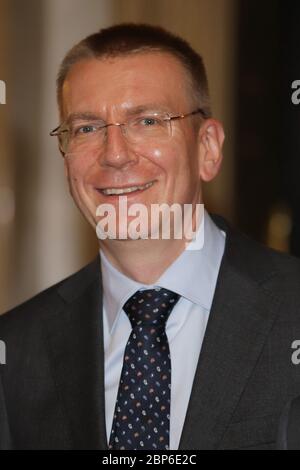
(143,261)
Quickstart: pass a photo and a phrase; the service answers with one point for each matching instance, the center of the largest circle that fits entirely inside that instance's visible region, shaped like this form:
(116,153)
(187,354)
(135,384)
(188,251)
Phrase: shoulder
(244,250)
(32,312)
(259,263)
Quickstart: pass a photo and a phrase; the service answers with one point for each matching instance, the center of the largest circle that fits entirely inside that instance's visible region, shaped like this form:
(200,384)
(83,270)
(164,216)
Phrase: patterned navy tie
(142,414)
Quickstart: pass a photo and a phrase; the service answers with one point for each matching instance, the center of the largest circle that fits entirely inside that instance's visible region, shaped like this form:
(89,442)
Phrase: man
(160,343)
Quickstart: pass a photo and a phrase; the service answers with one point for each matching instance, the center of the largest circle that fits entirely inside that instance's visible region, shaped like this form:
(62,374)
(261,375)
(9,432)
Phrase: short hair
(133,38)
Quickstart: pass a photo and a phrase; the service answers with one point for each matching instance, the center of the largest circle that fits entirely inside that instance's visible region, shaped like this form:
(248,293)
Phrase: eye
(87,129)
(148,121)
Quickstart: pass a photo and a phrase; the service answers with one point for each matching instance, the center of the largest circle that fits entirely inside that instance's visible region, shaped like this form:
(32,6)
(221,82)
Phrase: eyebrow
(83,116)
(146,108)
(128,112)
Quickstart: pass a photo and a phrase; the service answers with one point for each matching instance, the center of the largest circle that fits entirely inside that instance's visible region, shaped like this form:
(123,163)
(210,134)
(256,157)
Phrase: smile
(130,189)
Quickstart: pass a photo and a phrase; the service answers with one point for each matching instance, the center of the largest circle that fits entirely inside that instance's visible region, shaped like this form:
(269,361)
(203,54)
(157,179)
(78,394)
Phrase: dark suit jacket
(52,386)
(289,427)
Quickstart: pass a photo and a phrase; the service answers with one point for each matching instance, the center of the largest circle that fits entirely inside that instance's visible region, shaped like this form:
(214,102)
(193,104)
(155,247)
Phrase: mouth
(125,190)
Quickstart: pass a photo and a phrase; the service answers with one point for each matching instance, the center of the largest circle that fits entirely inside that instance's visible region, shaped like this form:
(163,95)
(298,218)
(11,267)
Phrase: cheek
(78,170)
(178,159)
(163,158)
(169,158)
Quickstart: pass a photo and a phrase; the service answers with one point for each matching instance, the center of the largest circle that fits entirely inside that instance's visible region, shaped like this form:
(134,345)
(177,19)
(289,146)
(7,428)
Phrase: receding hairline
(126,39)
(191,92)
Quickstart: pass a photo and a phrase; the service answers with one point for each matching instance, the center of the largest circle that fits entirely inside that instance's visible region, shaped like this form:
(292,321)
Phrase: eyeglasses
(147,130)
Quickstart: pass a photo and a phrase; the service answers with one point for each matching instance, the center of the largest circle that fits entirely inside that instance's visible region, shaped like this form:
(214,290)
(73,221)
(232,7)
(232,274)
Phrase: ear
(211,137)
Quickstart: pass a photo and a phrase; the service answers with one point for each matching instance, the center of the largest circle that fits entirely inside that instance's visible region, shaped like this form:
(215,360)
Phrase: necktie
(142,413)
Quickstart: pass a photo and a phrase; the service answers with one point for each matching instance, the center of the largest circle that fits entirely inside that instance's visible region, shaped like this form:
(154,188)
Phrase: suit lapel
(241,317)
(75,344)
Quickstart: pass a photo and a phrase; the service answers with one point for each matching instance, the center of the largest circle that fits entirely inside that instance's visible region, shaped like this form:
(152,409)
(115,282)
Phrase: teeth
(111,191)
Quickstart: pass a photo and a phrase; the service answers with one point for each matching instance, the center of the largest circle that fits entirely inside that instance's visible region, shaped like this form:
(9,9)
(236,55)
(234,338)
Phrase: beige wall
(47,239)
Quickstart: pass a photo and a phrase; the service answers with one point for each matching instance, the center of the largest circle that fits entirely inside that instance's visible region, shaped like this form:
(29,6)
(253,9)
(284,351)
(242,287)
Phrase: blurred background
(251,52)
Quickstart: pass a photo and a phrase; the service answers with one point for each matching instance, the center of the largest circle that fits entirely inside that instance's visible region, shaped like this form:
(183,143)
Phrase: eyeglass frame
(57,133)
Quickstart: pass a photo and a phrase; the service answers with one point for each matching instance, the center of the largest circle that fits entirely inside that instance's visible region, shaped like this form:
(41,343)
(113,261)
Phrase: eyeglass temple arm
(57,131)
(197,111)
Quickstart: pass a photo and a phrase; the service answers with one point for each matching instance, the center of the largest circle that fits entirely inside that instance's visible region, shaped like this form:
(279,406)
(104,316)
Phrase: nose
(116,151)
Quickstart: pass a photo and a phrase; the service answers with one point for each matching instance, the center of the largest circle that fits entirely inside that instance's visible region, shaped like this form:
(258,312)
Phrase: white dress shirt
(193,276)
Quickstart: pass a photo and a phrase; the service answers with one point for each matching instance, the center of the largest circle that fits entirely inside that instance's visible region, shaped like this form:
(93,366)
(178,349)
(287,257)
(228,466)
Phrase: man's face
(113,89)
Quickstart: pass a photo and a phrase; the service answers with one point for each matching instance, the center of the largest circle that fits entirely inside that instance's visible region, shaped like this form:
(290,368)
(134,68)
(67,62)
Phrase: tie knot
(150,307)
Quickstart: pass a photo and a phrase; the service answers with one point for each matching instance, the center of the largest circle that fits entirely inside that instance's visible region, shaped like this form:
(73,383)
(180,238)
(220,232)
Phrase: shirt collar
(192,275)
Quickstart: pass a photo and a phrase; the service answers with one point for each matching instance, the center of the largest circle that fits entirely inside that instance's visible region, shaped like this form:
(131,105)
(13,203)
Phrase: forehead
(120,83)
